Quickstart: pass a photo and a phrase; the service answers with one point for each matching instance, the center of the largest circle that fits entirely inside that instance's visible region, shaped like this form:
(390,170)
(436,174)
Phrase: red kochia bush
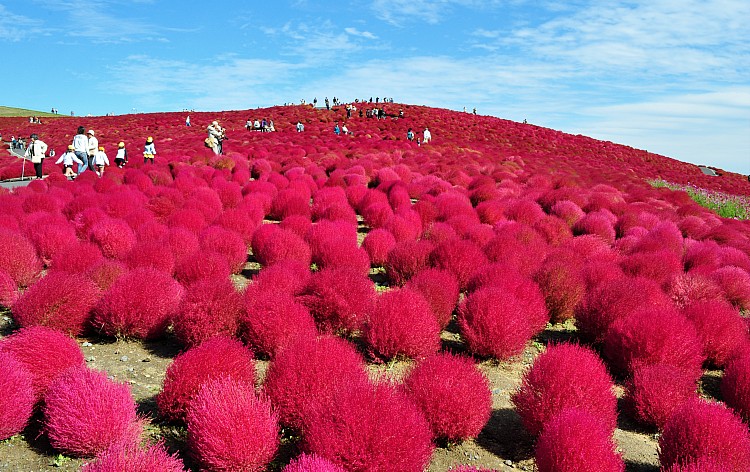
(452,393)
(402,323)
(406,259)
(8,290)
(16,396)
(561,280)
(114,237)
(310,373)
(230,428)
(44,352)
(735,282)
(155,254)
(209,308)
(60,300)
(370,428)
(494,323)
(440,289)
(565,376)
(735,385)
(202,266)
(339,298)
(701,429)
(311,463)
(287,276)
(462,258)
(227,243)
(703,464)
(216,357)
(105,272)
(272,244)
(575,440)
(123,457)
(655,391)
(85,413)
(272,320)
(18,258)
(720,328)
(139,304)
(654,336)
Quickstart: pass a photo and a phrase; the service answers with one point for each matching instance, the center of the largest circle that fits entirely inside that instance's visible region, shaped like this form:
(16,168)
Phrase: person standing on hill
(81,149)
(216,135)
(300,127)
(121,158)
(67,160)
(427,136)
(187,121)
(100,160)
(36,152)
(149,150)
(93,148)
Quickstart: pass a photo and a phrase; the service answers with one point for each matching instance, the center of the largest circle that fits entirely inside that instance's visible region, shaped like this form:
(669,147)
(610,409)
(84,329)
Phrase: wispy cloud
(15,27)
(363,34)
(400,12)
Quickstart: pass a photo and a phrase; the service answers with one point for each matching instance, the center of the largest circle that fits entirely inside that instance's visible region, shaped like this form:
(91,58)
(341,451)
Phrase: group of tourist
(264,125)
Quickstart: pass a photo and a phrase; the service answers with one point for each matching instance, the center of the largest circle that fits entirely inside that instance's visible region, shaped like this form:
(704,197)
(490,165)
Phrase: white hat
(91,132)
(215,123)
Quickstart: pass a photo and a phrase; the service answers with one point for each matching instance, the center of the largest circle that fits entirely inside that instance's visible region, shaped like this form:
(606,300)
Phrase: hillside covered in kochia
(365,302)
(464,145)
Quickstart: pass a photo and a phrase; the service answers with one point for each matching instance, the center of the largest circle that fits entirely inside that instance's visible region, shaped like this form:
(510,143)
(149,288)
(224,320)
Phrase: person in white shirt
(36,152)
(300,127)
(216,136)
(122,155)
(93,147)
(100,160)
(149,150)
(81,148)
(427,136)
(67,160)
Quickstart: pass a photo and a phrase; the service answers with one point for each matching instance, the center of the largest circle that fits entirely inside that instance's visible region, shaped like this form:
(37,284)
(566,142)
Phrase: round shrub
(565,376)
(735,385)
(660,266)
(105,272)
(309,373)
(209,308)
(340,299)
(114,237)
(701,429)
(402,324)
(406,259)
(44,352)
(452,393)
(691,287)
(563,285)
(735,282)
(272,320)
(16,396)
(517,246)
(202,266)
(311,463)
(154,254)
(575,440)
(370,428)
(614,299)
(440,289)
(272,244)
(654,336)
(60,300)
(85,413)
(290,202)
(49,239)
(230,428)
(703,464)
(720,328)
(77,258)
(378,243)
(493,323)
(656,391)
(216,357)
(8,290)
(227,243)
(123,457)
(286,276)
(462,258)
(18,258)
(140,304)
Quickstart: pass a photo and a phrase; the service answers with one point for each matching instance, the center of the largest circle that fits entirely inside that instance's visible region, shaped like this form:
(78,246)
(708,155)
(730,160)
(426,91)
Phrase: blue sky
(669,76)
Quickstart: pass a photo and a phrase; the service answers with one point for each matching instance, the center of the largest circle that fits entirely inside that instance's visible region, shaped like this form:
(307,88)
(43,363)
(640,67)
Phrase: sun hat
(101,148)
(71,147)
(91,132)
(121,144)
(149,139)
(215,123)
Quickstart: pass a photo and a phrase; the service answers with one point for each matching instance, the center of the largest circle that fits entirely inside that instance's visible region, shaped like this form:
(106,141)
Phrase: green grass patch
(724,205)
(10,112)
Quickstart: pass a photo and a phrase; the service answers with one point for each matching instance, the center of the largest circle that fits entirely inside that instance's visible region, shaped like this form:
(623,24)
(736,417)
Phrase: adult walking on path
(36,152)
(81,148)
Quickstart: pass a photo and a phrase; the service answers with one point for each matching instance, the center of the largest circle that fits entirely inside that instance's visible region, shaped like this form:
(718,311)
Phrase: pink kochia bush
(16,396)
(406,259)
(370,427)
(85,413)
(18,258)
(272,244)
(114,237)
(230,428)
(565,376)
(462,258)
(310,373)
(703,464)
(576,440)
(8,290)
(44,352)
(124,457)
(209,308)
(735,385)
(720,328)
(378,243)
(655,391)
(216,357)
(339,298)
(312,463)
(202,265)
(402,323)
(654,336)
(60,300)
(139,304)
(494,323)
(735,282)
(273,320)
(286,276)
(452,393)
(440,289)
(701,429)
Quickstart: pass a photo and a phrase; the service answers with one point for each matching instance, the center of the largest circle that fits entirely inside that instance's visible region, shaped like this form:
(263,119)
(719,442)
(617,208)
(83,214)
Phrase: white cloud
(363,34)
(15,27)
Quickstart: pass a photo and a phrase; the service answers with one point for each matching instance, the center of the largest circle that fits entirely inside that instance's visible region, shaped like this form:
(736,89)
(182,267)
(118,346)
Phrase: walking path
(14,183)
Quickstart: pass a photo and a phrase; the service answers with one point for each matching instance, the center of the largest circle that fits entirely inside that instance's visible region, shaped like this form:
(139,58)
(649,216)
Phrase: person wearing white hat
(216,135)
(93,147)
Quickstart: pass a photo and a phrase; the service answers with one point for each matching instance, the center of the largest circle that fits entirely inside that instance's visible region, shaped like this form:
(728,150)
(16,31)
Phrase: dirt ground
(503,444)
